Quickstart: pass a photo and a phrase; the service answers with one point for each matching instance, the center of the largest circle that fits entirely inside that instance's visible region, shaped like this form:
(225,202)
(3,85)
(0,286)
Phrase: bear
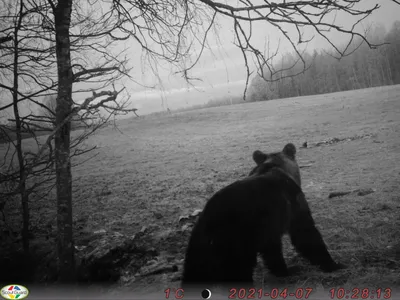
(285,160)
(249,217)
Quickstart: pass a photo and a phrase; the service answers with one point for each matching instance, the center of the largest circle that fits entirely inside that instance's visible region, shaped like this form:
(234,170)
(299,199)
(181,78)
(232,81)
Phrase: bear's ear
(259,157)
(290,151)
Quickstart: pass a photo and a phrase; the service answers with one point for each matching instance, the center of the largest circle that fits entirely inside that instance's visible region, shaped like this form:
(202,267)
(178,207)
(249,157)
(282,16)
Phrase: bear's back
(250,203)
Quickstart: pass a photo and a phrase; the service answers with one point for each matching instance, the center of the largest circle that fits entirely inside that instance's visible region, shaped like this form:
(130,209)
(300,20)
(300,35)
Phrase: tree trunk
(356,78)
(18,128)
(65,243)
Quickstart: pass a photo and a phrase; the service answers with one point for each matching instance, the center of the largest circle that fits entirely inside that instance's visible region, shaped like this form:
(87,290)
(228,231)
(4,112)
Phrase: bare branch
(5,39)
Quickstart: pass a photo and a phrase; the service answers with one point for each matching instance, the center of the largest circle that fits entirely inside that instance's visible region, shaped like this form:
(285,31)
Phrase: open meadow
(155,169)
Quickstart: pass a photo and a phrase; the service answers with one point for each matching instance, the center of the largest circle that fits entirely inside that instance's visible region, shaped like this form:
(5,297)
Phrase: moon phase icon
(206,294)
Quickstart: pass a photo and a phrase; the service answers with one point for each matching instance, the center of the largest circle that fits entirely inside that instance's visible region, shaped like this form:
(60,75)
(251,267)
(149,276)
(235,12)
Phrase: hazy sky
(222,68)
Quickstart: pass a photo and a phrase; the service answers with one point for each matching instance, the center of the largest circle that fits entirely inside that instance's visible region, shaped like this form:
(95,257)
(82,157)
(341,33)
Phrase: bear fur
(250,216)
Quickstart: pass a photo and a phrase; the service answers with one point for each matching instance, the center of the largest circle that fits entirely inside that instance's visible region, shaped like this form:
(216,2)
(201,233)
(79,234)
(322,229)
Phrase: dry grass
(171,164)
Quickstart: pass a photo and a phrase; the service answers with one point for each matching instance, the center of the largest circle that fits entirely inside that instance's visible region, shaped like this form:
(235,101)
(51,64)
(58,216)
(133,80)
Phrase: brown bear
(250,216)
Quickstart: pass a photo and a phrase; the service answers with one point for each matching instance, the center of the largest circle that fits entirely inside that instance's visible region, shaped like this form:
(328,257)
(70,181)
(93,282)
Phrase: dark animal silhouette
(250,216)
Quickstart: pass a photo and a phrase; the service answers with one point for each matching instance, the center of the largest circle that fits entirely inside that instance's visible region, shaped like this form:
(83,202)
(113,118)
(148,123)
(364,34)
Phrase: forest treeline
(364,68)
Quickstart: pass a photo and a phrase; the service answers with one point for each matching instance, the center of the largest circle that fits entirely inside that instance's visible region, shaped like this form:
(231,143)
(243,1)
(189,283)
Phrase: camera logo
(14,291)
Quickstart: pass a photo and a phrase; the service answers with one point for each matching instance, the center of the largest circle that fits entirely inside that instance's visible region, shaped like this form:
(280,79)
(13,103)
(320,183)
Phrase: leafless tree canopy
(171,30)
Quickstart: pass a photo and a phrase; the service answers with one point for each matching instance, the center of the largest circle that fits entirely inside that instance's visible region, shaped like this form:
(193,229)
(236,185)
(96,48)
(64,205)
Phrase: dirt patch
(335,140)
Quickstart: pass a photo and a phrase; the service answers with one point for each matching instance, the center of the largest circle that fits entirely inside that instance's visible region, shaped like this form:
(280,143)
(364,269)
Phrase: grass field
(162,167)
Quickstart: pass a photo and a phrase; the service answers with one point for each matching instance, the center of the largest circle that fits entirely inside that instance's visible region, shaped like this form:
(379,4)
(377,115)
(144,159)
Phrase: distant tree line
(364,68)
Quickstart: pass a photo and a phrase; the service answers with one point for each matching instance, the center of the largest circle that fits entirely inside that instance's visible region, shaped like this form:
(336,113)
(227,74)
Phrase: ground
(156,169)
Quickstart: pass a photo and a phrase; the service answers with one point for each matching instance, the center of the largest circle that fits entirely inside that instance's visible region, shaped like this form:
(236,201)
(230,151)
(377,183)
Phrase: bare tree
(29,76)
(297,15)
(14,32)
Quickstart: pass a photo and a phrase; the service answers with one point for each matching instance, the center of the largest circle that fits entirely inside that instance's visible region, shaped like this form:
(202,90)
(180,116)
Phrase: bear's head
(284,160)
